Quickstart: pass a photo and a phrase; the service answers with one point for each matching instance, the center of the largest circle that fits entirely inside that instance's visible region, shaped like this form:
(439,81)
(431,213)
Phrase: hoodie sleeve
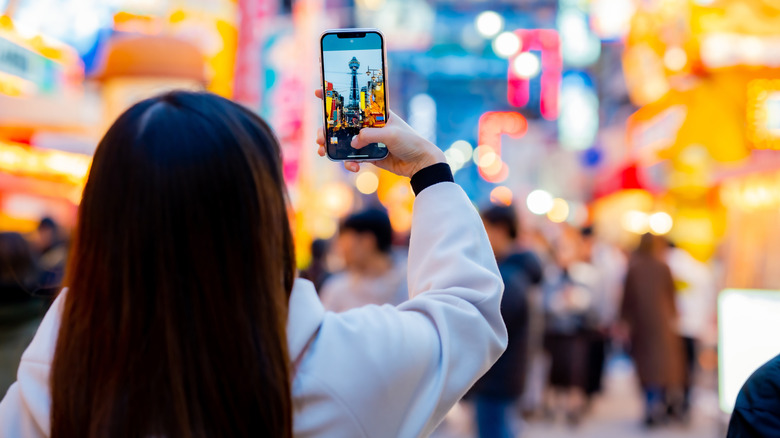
(757,410)
(398,370)
(25,409)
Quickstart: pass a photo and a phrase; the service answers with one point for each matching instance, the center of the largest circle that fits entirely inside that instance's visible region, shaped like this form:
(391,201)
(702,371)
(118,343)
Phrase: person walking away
(568,301)
(182,316)
(649,312)
(500,388)
(694,299)
(373,274)
(317,271)
(610,265)
(20,309)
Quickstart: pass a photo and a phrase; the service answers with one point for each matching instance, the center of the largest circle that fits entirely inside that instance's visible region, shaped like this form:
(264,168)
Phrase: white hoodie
(368,372)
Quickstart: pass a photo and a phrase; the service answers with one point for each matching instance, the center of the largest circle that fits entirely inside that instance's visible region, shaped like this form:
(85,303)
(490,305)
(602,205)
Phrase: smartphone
(354,91)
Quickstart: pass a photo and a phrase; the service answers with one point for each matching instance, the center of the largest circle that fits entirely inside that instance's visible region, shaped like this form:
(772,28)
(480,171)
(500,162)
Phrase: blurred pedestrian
(694,299)
(372,274)
(606,288)
(651,316)
(317,271)
(182,316)
(496,393)
(52,255)
(568,302)
(20,309)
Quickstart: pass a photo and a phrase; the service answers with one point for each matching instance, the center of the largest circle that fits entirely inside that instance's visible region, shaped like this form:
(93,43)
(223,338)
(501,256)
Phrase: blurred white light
(578,120)
(752,49)
(455,158)
(635,222)
(660,223)
(539,202)
(487,159)
(506,44)
(87,22)
(422,116)
(611,19)
(675,58)
(464,147)
(489,24)
(580,47)
(526,65)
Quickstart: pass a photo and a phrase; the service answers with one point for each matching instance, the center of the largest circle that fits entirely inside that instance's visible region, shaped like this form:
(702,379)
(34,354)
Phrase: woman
(182,317)
(650,313)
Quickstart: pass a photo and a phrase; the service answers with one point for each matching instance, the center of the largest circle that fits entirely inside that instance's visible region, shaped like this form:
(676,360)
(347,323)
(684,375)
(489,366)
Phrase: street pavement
(615,414)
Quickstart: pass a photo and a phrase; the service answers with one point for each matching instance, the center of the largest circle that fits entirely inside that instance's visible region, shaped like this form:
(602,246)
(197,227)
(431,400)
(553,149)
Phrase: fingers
(373,135)
(352,166)
(320,137)
(321,151)
(318,93)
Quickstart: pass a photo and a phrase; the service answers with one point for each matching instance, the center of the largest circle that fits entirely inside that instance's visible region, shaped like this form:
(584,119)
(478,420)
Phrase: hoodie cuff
(433,174)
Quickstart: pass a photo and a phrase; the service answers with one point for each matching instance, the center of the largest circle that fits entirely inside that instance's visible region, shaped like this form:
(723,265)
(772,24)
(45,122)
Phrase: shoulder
(758,403)
(378,349)
(762,389)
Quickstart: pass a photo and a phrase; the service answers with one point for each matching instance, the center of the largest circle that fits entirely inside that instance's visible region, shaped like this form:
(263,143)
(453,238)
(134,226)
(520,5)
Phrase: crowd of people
(386,339)
(571,302)
(31,271)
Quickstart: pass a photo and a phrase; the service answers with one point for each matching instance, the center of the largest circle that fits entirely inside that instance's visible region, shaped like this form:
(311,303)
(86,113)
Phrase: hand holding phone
(408,152)
(354,91)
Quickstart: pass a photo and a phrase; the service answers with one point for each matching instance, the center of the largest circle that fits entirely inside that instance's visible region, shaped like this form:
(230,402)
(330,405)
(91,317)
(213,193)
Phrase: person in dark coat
(497,391)
(318,271)
(649,310)
(757,410)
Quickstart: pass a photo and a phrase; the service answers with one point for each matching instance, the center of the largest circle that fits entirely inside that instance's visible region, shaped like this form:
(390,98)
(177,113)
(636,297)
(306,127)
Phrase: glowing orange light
(491,126)
(44,164)
(501,195)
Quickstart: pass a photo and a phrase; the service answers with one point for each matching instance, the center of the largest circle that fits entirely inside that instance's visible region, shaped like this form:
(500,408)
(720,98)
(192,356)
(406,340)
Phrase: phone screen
(353,74)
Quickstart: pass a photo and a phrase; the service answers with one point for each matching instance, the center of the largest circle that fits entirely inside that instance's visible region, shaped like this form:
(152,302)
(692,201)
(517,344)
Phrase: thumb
(367,136)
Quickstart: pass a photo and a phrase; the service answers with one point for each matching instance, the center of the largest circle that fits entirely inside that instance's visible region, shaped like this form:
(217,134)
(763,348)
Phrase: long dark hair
(174,323)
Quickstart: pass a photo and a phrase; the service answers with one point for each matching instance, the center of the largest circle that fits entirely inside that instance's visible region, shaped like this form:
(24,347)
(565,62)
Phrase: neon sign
(549,43)
(492,125)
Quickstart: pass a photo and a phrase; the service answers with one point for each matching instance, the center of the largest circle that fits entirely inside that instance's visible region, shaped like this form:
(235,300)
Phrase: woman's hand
(407,151)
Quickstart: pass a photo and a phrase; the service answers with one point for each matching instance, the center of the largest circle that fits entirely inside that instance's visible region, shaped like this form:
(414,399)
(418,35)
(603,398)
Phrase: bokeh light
(636,222)
(675,58)
(506,44)
(660,223)
(559,211)
(367,182)
(336,199)
(501,195)
(539,202)
(489,24)
(526,65)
